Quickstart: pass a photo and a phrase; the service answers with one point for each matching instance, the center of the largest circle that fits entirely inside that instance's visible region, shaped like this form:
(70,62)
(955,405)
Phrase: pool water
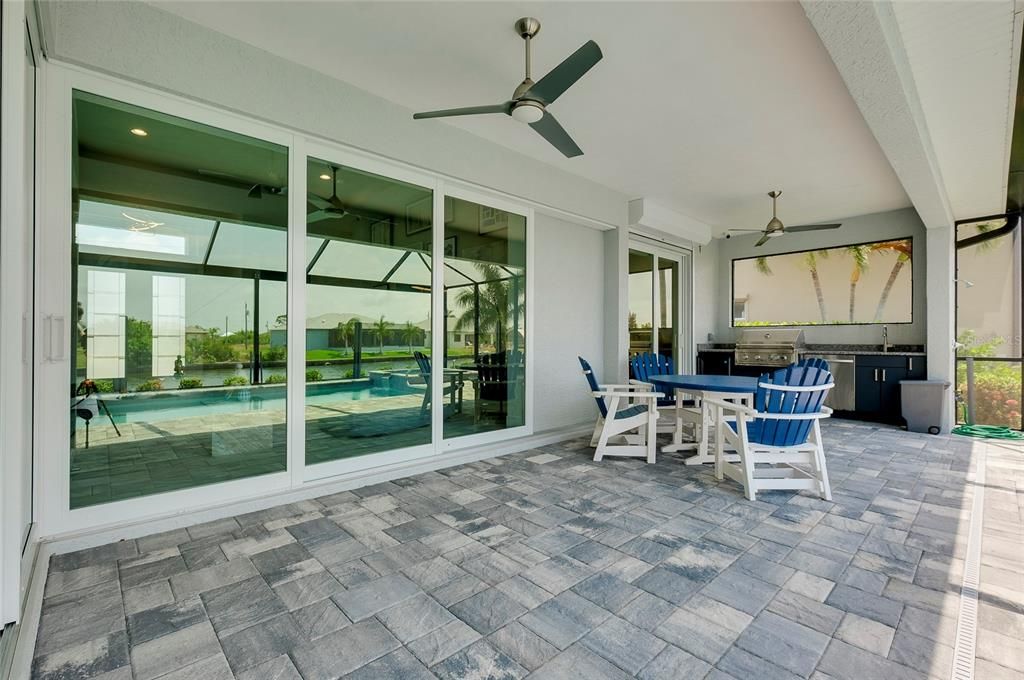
(172,405)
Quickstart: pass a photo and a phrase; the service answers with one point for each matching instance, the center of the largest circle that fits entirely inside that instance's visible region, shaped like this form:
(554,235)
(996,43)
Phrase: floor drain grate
(967,617)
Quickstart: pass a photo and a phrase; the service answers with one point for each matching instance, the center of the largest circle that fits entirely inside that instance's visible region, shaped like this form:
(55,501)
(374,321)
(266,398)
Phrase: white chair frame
(610,433)
(779,463)
(668,416)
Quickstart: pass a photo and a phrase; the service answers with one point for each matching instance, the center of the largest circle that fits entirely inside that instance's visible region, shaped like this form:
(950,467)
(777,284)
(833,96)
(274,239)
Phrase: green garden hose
(988,432)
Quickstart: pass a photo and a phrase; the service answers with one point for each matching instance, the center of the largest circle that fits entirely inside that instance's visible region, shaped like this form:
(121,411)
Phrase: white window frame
(53,295)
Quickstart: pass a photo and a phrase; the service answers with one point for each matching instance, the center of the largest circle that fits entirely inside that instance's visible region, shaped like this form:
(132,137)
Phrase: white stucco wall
(569,319)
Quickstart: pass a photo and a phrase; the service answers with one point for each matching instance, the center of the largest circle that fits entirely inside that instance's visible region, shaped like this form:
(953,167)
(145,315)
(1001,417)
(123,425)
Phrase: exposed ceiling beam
(865,44)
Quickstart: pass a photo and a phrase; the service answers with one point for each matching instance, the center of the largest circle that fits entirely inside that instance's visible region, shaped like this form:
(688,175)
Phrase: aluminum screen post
(970,390)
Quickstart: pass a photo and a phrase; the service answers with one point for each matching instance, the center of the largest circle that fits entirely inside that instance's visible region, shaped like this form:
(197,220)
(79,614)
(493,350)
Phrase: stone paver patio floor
(544,564)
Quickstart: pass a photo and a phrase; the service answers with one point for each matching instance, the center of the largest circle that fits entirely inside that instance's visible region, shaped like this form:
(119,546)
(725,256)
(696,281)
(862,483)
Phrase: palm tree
(903,255)
(346,329)
(761,264)
(496,303)
(380,327)
(859,254)
(811,262)
(409,333)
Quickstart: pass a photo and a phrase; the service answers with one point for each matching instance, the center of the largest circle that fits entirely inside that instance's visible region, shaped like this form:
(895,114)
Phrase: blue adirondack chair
(451,389)
(646,364)
(813,362)
(627,424)
(779,439)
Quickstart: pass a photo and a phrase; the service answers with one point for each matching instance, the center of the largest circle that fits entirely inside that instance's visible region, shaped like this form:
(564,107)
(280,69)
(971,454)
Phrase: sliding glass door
(178,271)
(236,317)
(659,295)
(368,313)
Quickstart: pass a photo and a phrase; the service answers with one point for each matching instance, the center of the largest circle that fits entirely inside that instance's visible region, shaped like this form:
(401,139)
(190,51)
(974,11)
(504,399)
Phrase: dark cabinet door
(869,391)
(917,369)
(714,363)
(892,402)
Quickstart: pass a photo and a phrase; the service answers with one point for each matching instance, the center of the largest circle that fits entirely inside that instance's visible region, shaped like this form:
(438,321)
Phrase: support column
(616,308)
(940,270)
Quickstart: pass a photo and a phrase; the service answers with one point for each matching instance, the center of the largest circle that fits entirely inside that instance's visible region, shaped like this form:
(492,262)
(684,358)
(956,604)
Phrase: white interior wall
(162,50)
(569,319)
(860,229)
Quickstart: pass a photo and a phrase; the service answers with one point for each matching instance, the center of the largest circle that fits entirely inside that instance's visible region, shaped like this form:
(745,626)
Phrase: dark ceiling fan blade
(551,130)
(764,239)
(317,202)
(813,227)
(562,77)
(505,108)
(759,231)
(319,216)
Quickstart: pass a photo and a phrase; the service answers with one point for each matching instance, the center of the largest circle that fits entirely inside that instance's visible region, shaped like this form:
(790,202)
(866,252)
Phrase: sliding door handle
(883,375)
(876,375)
(53,338)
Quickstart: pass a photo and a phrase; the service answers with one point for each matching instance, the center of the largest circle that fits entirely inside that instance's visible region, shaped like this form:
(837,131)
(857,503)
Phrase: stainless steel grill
(769,347)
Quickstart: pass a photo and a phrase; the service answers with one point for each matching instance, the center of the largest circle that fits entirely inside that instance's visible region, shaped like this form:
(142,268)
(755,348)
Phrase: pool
(152,407)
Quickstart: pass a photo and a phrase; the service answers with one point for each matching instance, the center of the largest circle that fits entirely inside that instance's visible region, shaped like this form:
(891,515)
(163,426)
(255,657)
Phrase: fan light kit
(530,99)
(776,228)
(139,132)
(325,177)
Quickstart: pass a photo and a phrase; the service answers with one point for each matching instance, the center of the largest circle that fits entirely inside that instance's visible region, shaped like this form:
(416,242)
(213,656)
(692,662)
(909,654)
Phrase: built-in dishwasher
(842,397)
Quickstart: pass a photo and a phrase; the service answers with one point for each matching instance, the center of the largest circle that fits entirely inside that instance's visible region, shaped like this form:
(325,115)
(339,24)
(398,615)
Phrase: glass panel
(167,384)
(368,313)
(856,284)
(994,394)
(485,319)
(668,308)
(641,303)
(988,322)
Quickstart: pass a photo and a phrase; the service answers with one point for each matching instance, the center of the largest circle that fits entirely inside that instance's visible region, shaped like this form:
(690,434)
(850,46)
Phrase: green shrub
(104,385)
(151,385)
(276,379)
(352,374)
(275,353)
(190,383)
(236,380)
(313,375)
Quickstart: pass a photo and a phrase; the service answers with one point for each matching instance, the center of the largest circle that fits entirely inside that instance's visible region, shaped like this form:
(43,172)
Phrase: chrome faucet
(885,339)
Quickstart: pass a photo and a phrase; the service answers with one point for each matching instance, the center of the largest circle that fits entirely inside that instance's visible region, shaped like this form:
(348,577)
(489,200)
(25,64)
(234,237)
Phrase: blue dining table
(701,387)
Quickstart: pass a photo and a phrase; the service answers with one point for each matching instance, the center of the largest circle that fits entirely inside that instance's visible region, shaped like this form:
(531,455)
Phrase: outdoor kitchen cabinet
(714,363)
(878,384)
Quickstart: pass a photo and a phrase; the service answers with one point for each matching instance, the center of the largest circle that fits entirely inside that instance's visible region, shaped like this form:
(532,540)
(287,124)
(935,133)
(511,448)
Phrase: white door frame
(682,299)
(52,322)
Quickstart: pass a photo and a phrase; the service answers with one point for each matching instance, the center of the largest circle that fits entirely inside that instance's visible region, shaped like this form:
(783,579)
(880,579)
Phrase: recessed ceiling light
(139,132)
(325,176)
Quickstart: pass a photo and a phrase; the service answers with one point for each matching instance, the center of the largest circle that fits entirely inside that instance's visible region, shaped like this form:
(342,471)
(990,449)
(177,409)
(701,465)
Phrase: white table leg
(703,455)
(677,434)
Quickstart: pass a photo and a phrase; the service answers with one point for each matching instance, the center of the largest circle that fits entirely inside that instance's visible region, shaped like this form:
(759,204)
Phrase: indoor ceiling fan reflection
(140,224)
(330,208)
(776,228)
(530,100)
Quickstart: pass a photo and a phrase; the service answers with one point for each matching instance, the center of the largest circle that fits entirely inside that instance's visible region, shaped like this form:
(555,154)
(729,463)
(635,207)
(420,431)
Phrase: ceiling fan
(530,100)
(775,227)
(330,208)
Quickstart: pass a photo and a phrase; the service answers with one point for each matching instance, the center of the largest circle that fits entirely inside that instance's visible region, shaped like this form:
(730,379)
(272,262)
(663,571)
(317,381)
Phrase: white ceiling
(702,107)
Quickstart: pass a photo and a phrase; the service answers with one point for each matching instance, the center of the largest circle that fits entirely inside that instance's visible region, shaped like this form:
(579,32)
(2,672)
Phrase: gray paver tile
(363,642)
(262,642)
(174,650)
(524,646)
(673,663)
(319,619)
(278,668)
(415,617)
(366,599)
(869,635)
(398,665)
(479,661)
(488,610)
(564,619)
(101,655)
(438,645)
(211,668)
(607,591)
(240,605)
(163,619)
(865,604)
(628,647)
(786,643)
(579,662)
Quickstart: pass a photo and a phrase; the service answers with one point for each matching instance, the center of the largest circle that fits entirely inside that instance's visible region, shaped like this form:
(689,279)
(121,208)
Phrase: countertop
(864,350)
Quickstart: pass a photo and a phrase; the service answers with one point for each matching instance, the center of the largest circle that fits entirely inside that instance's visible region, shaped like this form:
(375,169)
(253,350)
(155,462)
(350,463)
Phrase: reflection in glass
(178,273)
(856,284)
(641,302)
(485,316)
(368,313)
(668,309)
